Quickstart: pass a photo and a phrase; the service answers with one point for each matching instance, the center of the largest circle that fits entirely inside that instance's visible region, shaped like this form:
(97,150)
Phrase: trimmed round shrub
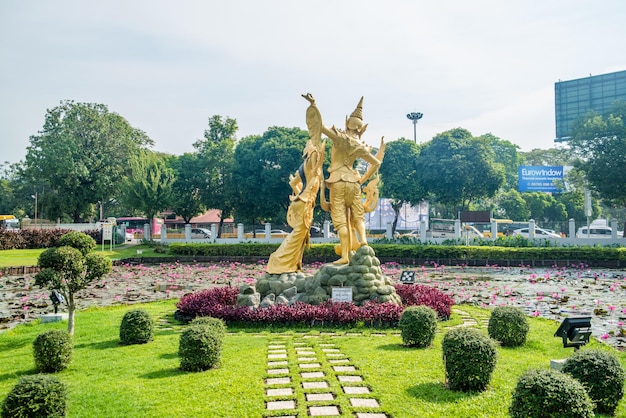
(508,325)
(418,325)
(52,351)
(549,393)
(36,396)
(79,240)
(200,348)
(137,327)
(469,357)
(602,375)
(215,324)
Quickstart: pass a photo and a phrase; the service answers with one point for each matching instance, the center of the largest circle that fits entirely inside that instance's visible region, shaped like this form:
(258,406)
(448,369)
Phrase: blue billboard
(540,178)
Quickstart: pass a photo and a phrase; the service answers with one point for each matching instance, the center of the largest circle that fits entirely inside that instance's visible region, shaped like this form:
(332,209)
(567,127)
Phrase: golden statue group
(357,268)
(346,207)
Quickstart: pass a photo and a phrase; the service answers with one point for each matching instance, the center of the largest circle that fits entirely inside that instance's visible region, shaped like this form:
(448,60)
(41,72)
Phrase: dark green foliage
(36,396)
(602,375)
(200,348)
(82,242)
(508,325)
(418,325)
(137,327)
(215,324)
(52,351)
(550,394)
(469,358)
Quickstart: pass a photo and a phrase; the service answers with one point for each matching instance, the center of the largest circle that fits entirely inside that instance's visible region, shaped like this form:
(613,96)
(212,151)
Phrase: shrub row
(414,252)
(24,239)
(221,303)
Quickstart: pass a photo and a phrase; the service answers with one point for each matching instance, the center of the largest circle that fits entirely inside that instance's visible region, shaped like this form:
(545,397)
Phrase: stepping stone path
(311,370)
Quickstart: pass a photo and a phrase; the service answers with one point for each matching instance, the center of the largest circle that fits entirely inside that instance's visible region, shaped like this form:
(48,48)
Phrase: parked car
(597,231)
(130,236)
(539,233)
(412,234)
(316,231)
(200,233)
(275,233)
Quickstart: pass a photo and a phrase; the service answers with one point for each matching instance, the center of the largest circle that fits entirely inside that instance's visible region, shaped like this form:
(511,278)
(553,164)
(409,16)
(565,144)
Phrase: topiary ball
(52,351)
(549,393)
(137,327)
(508,325)
(602,375)
(418,325)
(200,348)
(216,324)
(469,357)
(36,396)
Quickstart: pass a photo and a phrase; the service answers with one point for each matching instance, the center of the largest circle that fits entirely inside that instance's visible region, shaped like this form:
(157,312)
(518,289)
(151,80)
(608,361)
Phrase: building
(575,98)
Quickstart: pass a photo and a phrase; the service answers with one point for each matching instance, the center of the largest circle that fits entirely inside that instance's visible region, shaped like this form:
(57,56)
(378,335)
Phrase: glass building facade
(575,98)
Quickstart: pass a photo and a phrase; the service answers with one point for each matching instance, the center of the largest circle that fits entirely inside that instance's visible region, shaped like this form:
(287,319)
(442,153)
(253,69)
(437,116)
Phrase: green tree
(544,207)
(511,205)
(216,153)
(261,173)
(458,168)
(507,154)
(148,188)
(550,156)
(71,267)
(188,181)
(600,143)
(400,177)
(81,156)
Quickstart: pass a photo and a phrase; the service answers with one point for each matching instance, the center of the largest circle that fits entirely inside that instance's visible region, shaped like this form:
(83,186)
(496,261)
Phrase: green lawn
(109,380)
(18,258)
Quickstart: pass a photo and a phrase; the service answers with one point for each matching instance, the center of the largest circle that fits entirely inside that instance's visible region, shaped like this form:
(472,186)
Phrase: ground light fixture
(575,331)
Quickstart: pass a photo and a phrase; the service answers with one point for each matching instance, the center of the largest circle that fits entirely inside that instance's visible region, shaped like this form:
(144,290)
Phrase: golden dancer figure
(305,184)
(344,182)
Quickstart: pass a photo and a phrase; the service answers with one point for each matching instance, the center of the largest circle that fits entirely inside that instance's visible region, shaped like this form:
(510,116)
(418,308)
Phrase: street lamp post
(35,197)
(414,116)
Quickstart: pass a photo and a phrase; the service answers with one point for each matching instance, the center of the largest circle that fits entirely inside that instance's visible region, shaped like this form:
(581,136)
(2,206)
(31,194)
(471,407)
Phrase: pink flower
(605,336)
(536,313)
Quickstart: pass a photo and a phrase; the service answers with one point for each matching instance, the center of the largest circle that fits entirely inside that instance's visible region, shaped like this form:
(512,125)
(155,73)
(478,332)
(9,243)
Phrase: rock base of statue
(363,275)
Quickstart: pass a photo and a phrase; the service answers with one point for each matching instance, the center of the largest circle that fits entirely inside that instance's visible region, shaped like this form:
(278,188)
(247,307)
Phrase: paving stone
(311,375)
(350,378)
(314,385)
(327,344)
(312,397)
(305,353)
(334,355)
(370,415)
(276,363)
(276,347)
(275,356)
(337,361)
(309,365)
(299,343)
(378,335)
(305,359)
(365,402)
(278,380)
(344,368)
(310,336)
(321,411)
(356,390)
(274,405)
(330,350)
(279,392)
(278,371)
(276,351)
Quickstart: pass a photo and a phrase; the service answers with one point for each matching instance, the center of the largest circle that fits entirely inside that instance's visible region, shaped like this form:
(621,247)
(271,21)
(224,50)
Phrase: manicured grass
(106,379)
(18,258)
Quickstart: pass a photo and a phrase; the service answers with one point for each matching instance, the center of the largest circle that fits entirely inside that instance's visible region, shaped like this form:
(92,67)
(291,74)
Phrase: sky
(488,66)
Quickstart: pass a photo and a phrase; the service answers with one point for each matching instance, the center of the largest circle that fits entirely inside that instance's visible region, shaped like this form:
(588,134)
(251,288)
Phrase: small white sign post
(107,234)
(342,294)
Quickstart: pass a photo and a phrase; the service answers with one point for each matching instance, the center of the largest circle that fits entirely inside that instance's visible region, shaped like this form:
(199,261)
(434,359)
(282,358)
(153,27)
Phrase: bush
(52,351)
(137,327)
(469,357)
(36,396)
(418,294)
(418,325)
(200,348)
(602,375)
(508,325)
(82,242)
(215,324)
(549,393)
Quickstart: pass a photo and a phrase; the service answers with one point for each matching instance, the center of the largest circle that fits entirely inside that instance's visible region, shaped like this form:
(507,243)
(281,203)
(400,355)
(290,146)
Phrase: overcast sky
(167,66)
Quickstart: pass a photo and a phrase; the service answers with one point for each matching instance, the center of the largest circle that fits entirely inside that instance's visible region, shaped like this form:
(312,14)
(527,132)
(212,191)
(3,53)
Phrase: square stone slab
(278,380)
(321,411)
(274,405)
(276,351)
(276,347)
(276,363)
(311,397)
(343,360)
(356,390)
(305,359)
(330,350)
(314,385)
(279,392)
(275,356)
(278,371)
(350,378)
(344,368)
(305,353)
(365,402)
(327,345)
(309,365)
(334,355)
(312,375)
(370,415)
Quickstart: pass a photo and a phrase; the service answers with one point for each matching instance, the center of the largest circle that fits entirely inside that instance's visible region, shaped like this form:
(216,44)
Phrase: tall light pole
(35,197)
(415,116)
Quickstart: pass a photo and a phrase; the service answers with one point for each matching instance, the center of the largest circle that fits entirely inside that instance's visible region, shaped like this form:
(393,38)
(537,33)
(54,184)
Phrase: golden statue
(346,206)
(305,183)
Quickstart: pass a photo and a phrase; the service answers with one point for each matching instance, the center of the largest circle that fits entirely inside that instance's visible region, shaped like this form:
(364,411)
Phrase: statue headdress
(356,119)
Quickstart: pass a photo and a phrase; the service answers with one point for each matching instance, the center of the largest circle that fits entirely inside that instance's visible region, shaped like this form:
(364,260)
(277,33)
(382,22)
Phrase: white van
(596,231)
